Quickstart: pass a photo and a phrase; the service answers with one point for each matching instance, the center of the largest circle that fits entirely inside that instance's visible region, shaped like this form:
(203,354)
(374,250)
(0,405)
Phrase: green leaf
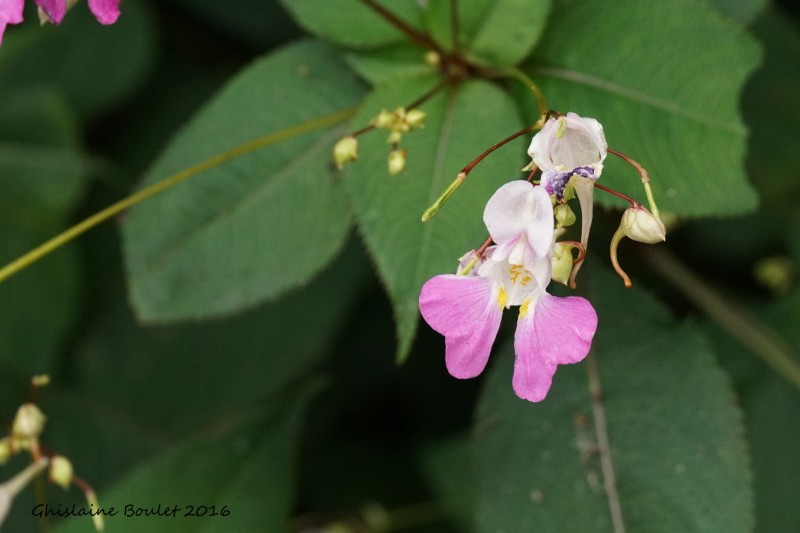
(255,226)
(460,124)
(664,78)
(676,435)
(508,29)
(240,477)
(390,63)
(96,66)
(245,359)
(352,22)
(742,11)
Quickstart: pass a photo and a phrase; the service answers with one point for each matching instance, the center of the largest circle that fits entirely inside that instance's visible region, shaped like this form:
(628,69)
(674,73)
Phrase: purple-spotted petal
(557,331)
(520,208)
(105,11)
(464,310)
(10,13)
(54,9)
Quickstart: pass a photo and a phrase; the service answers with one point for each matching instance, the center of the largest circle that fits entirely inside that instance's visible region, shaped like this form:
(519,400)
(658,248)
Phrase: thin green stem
(740,324)
(645,179)
(412,33)
(115,209)
(517,74)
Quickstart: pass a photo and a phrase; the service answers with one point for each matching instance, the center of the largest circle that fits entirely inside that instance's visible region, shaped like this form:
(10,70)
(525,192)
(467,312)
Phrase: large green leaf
(664,79)
(253,227)
(239,477)
(676,435)
(461,123)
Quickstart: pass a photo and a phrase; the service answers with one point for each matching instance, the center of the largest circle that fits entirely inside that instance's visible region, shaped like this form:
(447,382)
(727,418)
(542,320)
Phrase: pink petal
(10,13)
(465,311)
(105,11)
(54,9)
(558,331)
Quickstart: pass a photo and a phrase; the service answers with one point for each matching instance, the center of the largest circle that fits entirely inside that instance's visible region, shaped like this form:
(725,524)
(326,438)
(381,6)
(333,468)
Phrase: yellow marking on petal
(523,309)
(562,128)
(519,275)
(502,298)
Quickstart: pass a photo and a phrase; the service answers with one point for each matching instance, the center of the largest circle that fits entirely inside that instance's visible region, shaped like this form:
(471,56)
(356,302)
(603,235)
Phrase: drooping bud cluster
(397,122)
(26,430)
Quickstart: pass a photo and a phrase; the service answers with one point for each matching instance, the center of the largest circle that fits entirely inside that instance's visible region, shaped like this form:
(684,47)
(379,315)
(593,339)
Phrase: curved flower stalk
(105,11)
(570,150)
(467,308)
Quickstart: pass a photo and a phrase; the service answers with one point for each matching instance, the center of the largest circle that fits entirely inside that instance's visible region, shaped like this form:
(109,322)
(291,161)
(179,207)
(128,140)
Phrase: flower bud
(345,150)
(415,118)
(384,120)
(5,450)
(564,215)
(97,519)
(61,471)
(561,262)
(641,225)
(28,422)
(397,162)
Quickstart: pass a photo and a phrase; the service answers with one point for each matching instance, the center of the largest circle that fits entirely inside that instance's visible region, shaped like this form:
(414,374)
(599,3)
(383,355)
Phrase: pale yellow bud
(61,471)
(97,519)
(397,162)
(432,58)
(384,120)
(641,225)
(345,150)
(415,118)
(41,380)
(29,421)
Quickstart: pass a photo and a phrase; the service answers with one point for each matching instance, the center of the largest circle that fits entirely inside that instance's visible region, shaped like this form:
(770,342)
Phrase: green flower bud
(564,215)
(561,262)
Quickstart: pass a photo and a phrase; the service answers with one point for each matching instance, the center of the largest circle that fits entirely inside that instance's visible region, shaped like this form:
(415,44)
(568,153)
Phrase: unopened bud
(433,58)
(345,150)
(397,162)
(61,471)
(384,120)
(641,225)
(5,450)
(415,118)
(564,215)
(29,421)
(42,380)
(561,262)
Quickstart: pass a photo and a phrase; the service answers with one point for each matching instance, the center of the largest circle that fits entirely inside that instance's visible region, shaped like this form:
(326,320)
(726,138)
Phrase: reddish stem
(616,193)
(467,169)
(412,33)
(639,168)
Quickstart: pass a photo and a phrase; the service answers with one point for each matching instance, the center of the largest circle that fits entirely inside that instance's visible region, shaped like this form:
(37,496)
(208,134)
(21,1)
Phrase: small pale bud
(432,58)
(384,120)
(345,150)
(61,471)
(395,137)
(641,225)
(564,215)
(415,118)
(5,450)
(29,421)
(561,262)
(397,162)
(42,380)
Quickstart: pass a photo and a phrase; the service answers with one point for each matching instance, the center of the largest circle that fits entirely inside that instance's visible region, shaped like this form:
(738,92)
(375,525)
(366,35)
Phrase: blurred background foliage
(295,409)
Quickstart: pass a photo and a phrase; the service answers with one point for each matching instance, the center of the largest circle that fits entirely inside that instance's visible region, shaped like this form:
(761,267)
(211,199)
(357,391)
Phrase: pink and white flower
(467,308)
(570,150)
(105,11)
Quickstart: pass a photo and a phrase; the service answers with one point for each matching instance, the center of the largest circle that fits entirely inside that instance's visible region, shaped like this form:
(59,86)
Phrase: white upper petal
(519,209)
(569,142)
